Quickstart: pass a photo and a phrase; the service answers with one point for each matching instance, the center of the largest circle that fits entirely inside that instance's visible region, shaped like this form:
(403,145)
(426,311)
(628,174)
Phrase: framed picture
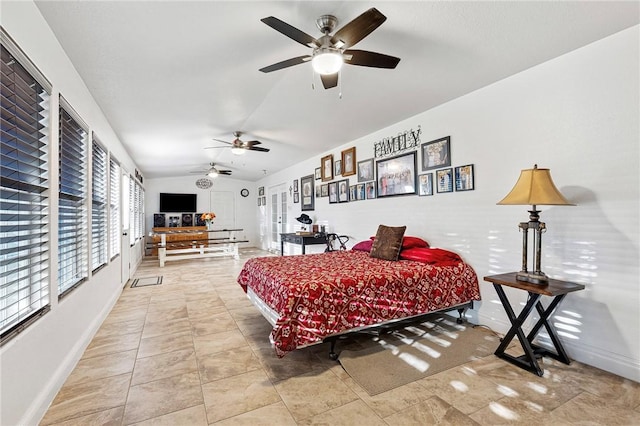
(296,197)
(324,190)
(318,191)
(360,193)
(444,180)
(353,191)
(425,184)
(365,170)
(396,175)
(264,201)
(259,201)
(261,191)
(349,161)
(333,192)
(326,168)
(464,178)
(295,185)
(343,191)
(370,189)
(337,170)
(307,193)
(318,173)
(436,154)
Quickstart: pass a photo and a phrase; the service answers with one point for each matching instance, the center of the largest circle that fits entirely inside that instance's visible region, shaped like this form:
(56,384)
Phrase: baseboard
(590,355)
(44,399)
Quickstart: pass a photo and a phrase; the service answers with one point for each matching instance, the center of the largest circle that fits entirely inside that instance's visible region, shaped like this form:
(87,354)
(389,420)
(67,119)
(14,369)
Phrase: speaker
(159,220)
(187,219)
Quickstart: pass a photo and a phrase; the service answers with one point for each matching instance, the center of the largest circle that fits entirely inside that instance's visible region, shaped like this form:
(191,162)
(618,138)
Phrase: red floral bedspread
(318,295)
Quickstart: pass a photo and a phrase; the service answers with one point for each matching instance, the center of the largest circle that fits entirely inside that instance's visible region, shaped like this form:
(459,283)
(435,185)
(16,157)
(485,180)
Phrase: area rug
(414,352)
(146,281)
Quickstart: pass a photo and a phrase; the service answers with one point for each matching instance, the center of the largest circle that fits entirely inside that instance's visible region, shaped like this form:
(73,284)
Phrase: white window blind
(99,205)
(114,208)
(24,238)
(72,211)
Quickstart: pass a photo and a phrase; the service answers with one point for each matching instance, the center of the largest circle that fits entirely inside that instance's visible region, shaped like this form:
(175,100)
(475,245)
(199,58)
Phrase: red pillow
(363,246)
(409,242)
(431,256)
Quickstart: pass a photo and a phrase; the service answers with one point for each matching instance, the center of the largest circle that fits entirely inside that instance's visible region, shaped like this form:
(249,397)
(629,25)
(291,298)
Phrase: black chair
(341,239)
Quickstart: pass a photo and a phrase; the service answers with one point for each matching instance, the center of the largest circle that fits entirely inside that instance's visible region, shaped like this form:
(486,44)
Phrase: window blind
(114,208)
(99,205)
(72,211)
(132,209)
(24,238)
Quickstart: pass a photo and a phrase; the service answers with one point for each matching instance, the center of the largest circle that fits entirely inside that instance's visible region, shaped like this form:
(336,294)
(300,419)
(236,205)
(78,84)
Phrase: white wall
(577,115)
(245,207)
(36,363)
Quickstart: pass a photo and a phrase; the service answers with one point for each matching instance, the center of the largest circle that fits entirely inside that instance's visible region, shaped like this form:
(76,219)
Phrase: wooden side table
(556,289)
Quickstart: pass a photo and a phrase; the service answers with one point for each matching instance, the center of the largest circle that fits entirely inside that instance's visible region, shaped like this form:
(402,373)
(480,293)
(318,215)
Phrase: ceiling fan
(213,171)
(239,147)
(330,52)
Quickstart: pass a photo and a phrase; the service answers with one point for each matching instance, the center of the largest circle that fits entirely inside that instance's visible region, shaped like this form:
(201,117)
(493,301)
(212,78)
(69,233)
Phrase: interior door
(277,212)
(125,250)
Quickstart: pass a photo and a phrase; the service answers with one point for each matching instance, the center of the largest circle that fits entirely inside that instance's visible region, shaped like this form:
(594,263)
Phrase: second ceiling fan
(330,52)
(239,147)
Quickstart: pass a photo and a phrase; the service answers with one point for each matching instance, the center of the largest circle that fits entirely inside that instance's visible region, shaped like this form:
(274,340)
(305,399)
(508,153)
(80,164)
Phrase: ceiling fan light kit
(327,61)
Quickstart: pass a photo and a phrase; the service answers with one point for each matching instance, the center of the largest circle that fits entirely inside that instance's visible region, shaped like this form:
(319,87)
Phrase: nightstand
(556,289)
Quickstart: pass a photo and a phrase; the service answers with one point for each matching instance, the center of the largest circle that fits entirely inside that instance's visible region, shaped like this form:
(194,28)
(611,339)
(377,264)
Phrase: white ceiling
(170,76)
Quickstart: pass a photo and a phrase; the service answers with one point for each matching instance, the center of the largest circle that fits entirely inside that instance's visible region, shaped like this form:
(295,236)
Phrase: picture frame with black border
(259,201)
(436,154)
(333,192)
(348,158)
(425,184)
(318,191)
(360,192)
(318,173)
(308,194)
(295,185)
(370,189)
(444,180)
(264,201)
(396,175)
(261,191)
(296,197)
(343,191)
(353,192)
(365,170)
(337,168)
(464,178)
(326,168)
(324,190)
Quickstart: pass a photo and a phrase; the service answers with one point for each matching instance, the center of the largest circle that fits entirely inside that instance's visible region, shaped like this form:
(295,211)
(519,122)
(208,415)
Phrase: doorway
(276,215)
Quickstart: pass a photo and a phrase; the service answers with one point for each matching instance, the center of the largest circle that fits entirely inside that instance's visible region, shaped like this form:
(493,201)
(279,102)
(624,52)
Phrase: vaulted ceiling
(171,76)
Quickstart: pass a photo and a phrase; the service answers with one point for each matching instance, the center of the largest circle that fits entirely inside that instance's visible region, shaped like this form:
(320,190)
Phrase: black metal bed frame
(389,326)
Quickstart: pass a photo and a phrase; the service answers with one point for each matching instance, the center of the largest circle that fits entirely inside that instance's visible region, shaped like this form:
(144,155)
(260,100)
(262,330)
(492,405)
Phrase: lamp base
(534,278)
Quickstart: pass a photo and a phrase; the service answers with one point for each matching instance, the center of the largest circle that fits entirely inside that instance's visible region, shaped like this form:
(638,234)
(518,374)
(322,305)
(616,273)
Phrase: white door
(277,214)
(125,251)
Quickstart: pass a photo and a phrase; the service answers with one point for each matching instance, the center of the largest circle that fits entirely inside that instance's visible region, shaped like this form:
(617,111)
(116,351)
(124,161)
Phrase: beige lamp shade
(535,187)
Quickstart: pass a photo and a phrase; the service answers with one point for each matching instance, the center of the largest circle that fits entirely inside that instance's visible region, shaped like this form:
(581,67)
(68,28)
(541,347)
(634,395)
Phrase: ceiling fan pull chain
(340,84)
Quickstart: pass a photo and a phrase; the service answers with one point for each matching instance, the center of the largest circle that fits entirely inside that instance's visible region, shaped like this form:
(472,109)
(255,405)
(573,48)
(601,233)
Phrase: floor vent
(146,281)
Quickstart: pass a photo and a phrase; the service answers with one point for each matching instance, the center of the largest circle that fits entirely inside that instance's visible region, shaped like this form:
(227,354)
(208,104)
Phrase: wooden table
(302,240)
(556,289)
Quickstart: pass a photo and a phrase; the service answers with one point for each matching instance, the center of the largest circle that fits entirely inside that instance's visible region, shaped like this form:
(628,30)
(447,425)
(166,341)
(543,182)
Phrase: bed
(315,297)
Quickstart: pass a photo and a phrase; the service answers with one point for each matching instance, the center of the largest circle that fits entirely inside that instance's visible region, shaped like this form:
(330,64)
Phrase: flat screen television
(178,203)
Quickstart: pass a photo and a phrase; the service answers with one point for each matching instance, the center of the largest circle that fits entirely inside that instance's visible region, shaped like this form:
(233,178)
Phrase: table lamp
(534,187)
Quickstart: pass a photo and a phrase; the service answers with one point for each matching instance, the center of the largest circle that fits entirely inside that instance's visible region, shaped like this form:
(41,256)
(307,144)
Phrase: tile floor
(194,351)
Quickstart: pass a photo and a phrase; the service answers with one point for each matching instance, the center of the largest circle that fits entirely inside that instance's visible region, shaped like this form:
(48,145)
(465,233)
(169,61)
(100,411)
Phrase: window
(72,210)
(24,238)
(132,210)
(98,205)
(114,208)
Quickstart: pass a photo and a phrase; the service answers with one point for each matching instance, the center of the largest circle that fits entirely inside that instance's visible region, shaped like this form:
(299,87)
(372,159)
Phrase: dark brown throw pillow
(388,242)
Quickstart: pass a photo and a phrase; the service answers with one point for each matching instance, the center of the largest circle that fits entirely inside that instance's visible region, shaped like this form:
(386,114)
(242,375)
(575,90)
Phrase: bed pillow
(431,256)
(410,242)
(388,242)
(363,246)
